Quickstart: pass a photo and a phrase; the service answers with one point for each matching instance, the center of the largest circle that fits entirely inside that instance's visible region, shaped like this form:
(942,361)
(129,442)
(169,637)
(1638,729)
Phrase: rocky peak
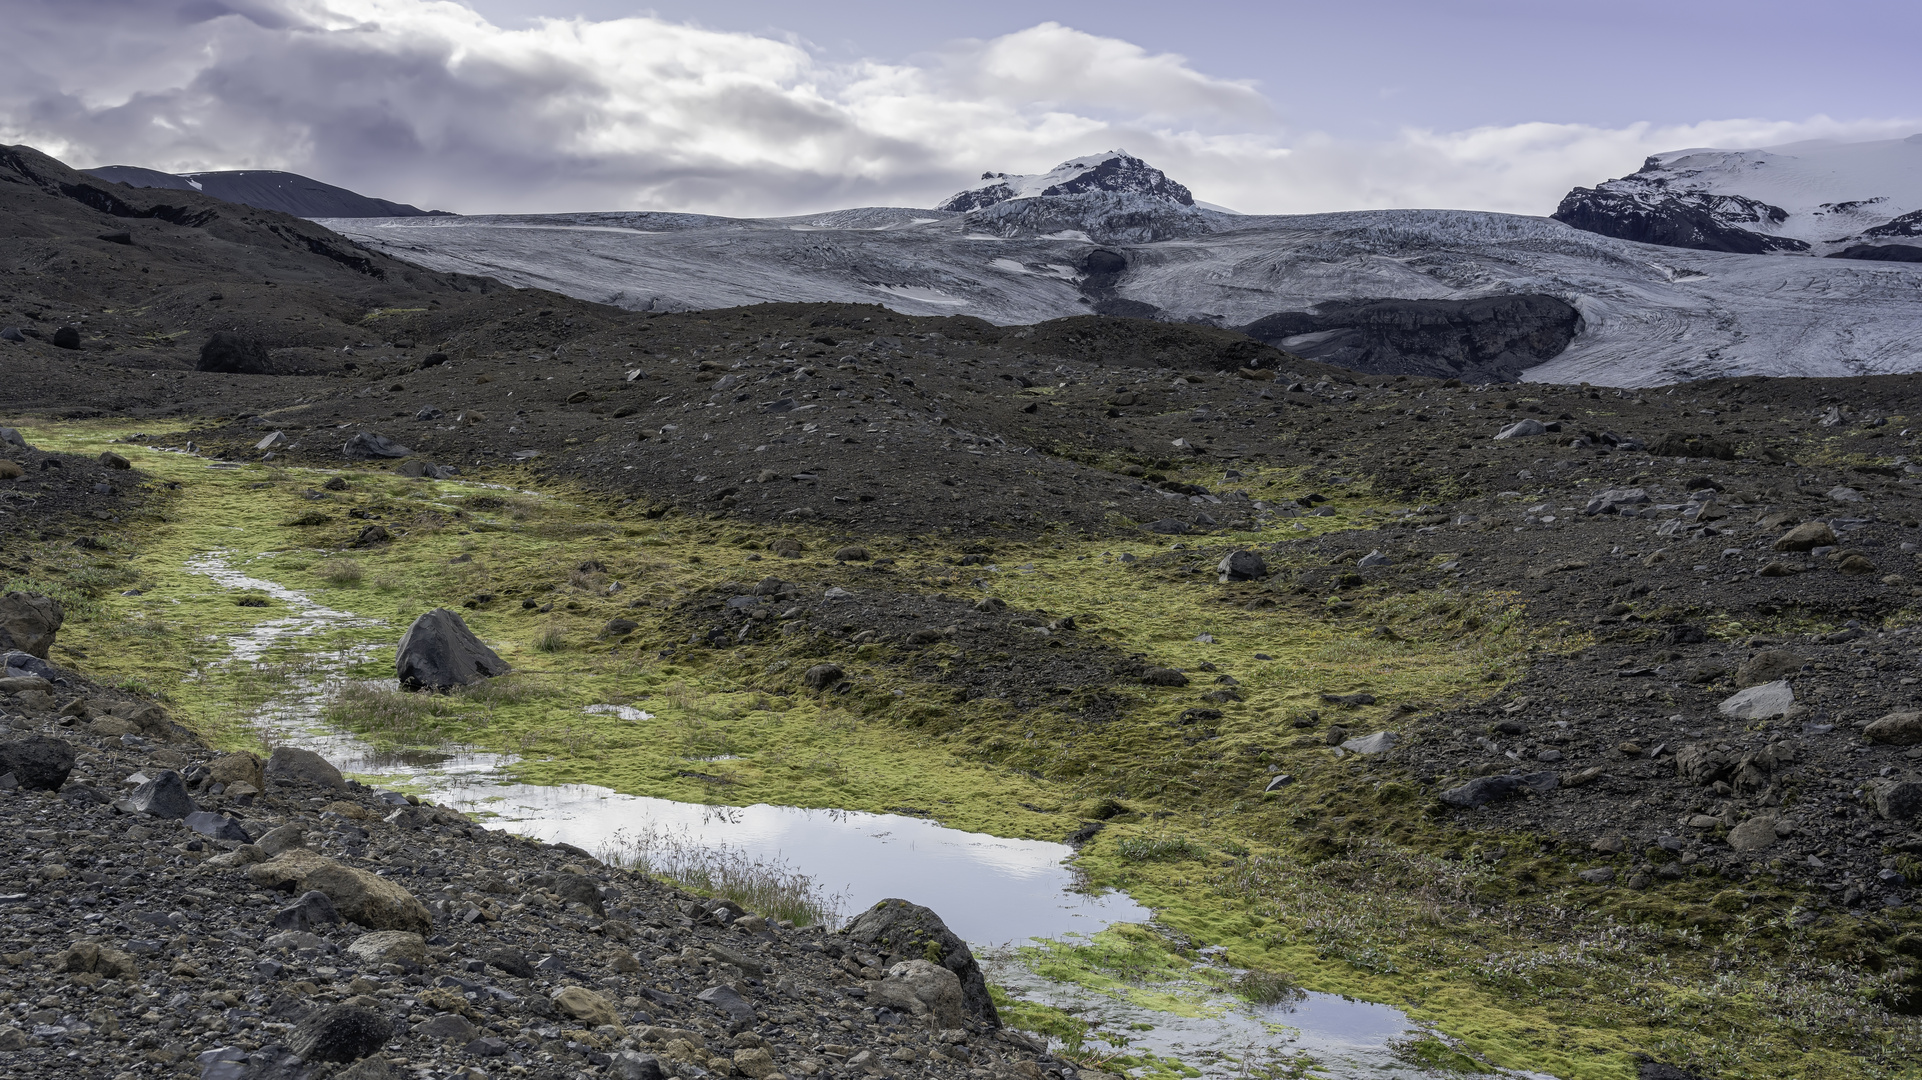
(1116,171)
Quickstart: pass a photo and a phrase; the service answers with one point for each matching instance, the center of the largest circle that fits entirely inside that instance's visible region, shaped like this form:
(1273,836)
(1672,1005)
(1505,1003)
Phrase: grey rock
(312,911)
(368,445)
(1169,527)
(439,652)
(1243,565)
(1600,875)
(282,838)
(632,1065)
(1279,782)
(37,762)
(164,796)
(821,676)
(726,999)
(1162,676)
(510,961)
(1373,558)
(489,1046)
(1754,834)
(29,621)
(1766,666)
(1522,429)
(1896,729)
(1900,801)
(23,663)
(1612,500)
(1763,702)
(1481,791)
(901,931)
(216,826)
(575,888)
(452,1027)
(340,1033)
(292,765)
(1379,742)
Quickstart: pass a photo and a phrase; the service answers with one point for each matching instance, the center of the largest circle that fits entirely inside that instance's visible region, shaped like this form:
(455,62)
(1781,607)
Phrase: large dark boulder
(37,762)
(28,622)
(1908,253)
(67,337)
(234,354)
(164,796)
(340,1033)
(367,445)
(900,931)
(1489,338)
(439,652)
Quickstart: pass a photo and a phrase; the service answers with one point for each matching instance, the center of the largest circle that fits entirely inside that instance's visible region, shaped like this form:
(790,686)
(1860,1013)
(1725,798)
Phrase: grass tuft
(340,572)
(772,889)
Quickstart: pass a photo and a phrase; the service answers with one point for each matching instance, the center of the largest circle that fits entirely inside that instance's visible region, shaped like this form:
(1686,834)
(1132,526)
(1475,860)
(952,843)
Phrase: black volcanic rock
(1697,220)
(234,354)
(439,652)
(1908,253)
(1490,338)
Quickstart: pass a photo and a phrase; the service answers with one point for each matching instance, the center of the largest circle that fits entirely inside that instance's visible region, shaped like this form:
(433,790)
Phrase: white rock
(1764,702)
(1377,743)
(1521,429)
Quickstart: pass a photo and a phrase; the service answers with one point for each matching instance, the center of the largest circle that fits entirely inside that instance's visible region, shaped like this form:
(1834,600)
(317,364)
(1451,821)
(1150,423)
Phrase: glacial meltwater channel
(997,893)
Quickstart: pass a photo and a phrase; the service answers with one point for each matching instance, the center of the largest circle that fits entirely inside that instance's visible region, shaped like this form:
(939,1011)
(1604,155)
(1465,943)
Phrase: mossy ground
(1342,880)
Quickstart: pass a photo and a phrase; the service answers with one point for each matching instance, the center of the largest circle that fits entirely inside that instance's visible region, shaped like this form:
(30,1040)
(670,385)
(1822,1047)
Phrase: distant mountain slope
(265,189)
(1818,198)
(1115,172)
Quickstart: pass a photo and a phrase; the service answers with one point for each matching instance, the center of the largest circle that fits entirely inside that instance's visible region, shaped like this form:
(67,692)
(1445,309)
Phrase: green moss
(1343,879)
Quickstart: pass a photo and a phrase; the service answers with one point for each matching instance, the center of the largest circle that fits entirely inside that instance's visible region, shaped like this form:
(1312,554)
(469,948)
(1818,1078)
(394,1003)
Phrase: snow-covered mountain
(1116,172)
(268,189)
(1816,198)
(1439,292)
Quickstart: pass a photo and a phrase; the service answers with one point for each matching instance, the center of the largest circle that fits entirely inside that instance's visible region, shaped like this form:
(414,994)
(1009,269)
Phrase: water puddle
(995,892)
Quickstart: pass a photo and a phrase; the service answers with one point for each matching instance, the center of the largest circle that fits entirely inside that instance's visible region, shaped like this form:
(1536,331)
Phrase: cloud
(427,102)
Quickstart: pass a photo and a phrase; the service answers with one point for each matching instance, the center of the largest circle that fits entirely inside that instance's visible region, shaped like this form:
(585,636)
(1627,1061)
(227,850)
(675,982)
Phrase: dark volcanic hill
(265,189)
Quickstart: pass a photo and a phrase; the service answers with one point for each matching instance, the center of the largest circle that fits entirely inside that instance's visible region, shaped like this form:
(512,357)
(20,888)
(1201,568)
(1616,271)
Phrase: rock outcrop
(439,652)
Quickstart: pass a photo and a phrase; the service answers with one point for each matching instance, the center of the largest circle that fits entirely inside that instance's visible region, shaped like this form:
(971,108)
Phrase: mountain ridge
(266,189)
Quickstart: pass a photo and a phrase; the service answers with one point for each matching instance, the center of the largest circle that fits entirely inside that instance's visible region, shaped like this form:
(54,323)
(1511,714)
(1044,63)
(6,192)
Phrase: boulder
(452,1027)
(634,1065)
(510,961)
(292,765)
(28,622)
(1379,743)
(1522,429)
(1900,801)
(900,931)
(312,911)
(164,796)
(1754,834)
(67,337)
(821,676)
(755,1063)
(1162,676)
(582,1004)
(12,437)
(1481,791)
(740,1011)
(580,889)
(1612,500)
(360,897)
(1897,729)
(389,947)
(216,826)
(90,958)
(237,768)
(233,353)
(1763,702)
(113,461)
(37,762)
(1169,527)
(340,1033)
(1806,537)
(923,990)
(369,445)
(1241,565)
(1766,666)
(439,652)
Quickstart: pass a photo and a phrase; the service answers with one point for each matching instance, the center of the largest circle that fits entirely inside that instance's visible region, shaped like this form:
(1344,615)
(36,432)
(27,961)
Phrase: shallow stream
(997,893)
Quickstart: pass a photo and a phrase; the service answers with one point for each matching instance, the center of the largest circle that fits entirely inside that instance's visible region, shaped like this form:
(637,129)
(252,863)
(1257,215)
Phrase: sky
(753,108)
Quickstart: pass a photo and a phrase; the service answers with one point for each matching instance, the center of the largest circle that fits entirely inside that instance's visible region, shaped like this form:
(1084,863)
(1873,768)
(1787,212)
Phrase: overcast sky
(755,107)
